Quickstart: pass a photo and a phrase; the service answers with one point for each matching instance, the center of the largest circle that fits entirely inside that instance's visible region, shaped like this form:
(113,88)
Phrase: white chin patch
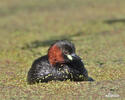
(69,57)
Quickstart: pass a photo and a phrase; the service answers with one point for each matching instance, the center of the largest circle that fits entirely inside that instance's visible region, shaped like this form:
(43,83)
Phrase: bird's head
(62,52)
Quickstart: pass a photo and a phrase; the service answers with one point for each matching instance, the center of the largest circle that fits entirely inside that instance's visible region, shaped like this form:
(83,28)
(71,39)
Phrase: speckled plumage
(46,68)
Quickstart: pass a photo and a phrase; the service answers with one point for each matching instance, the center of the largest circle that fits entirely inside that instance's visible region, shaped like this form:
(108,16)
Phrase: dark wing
(40,71)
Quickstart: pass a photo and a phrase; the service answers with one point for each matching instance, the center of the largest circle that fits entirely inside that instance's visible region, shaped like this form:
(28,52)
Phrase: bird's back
(39,69)
(42,71)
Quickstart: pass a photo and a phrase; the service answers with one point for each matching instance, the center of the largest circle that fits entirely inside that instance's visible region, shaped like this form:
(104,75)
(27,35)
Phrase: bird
(61,63)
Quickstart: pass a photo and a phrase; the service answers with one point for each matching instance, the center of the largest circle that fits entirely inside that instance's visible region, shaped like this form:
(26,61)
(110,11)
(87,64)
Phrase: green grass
(97,28)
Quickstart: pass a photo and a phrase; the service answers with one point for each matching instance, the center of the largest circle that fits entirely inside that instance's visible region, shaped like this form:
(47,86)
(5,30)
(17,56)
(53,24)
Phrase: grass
(27,28)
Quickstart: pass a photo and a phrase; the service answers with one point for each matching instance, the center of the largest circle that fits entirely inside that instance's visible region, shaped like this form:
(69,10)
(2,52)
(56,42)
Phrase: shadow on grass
(113,21)
(38,43)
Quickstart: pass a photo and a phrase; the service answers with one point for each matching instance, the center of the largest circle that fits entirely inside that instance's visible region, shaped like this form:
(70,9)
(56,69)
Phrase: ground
(96,27)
